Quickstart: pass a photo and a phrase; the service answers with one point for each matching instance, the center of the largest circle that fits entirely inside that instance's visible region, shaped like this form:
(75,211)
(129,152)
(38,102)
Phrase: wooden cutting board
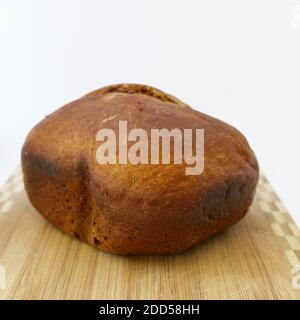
(252,260)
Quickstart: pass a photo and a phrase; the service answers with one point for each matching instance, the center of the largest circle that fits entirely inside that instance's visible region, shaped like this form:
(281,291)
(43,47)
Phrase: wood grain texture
(251,260)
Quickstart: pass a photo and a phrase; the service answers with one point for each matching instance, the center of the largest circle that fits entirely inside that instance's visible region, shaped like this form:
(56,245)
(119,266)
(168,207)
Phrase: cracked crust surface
(135,209)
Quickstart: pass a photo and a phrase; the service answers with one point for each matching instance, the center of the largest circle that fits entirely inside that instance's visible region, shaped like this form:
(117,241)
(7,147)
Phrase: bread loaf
(135,209)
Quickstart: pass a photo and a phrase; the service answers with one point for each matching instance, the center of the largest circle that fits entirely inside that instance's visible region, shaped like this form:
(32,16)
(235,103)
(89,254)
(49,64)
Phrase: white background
(235,60)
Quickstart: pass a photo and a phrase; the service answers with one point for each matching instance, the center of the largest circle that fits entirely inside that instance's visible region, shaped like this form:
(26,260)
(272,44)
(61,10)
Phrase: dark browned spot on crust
(97,242)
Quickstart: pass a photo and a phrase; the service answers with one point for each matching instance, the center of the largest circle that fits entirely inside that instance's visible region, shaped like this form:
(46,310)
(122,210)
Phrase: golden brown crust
(135,209)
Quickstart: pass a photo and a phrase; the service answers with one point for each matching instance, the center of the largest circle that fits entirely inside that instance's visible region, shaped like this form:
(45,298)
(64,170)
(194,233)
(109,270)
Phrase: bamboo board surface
(251,260)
